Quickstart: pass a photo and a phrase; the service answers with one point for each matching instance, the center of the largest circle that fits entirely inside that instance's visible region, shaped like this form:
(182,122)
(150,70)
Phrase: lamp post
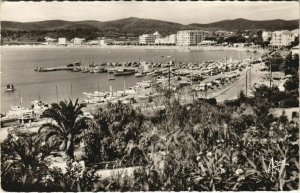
(169,79)
(246,83)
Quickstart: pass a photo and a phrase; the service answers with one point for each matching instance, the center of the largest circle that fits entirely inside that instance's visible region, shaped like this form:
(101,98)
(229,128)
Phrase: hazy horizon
(142,18)
(177,12)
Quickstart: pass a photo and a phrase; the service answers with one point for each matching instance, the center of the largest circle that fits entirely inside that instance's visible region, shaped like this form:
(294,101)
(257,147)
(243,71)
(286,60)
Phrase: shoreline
(179,48)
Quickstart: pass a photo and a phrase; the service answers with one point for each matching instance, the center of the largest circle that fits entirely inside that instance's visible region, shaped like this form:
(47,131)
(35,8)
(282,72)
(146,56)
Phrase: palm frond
(50,126)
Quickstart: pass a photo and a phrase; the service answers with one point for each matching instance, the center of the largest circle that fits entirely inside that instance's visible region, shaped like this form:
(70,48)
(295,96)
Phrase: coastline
(179,48)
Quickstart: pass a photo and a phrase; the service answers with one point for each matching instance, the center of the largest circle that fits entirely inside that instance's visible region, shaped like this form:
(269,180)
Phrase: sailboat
(109,78)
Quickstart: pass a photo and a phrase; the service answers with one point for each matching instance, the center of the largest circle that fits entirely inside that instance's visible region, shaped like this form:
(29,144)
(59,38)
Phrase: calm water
(17,65)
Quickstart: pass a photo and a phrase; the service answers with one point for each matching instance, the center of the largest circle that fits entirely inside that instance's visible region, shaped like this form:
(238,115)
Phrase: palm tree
(67,124)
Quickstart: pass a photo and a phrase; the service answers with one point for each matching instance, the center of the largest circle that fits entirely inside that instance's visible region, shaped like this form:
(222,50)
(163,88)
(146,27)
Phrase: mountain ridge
(148,24)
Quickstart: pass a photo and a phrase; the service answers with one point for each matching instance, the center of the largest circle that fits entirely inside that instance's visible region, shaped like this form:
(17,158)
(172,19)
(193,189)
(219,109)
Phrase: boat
(17,108)
(98,70)
(124,71)
(10,87)
(39,105)
(76,69)
(110,78)
(85,70)
(139,74)
(95,94)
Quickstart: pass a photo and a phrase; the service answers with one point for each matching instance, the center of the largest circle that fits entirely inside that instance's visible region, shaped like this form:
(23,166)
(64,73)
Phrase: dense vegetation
(202,146)
(197,146)
(128,27)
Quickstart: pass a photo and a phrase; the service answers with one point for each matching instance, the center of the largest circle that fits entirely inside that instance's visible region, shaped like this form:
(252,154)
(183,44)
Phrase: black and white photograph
(142,96)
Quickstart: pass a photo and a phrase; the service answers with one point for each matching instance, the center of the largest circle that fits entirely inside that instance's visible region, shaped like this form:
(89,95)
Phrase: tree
(67,124)
(291,64)
(114,135)
(23,163)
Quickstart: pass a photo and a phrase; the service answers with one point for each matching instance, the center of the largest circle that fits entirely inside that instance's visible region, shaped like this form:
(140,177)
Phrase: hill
(238,24)
(128,27)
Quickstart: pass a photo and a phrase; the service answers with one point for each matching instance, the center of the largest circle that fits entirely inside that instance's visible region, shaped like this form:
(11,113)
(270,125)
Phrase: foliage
(199,147)
(67,124)
(76,178)
(291,64)
(115,135)
(293,83)
(22,162)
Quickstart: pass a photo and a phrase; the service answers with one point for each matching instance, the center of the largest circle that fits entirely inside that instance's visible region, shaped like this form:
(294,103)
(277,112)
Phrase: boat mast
(124,85)
(56,94)
(71,92)
(15,98)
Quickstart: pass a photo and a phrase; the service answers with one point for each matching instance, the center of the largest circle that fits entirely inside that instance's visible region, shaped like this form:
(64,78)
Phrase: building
(78,41)
(62,41)
(296,32)
(266,36)
(295,50)
(48,39)
(207,43)
(282,38)
(148,38)
(190,37)
(168,40)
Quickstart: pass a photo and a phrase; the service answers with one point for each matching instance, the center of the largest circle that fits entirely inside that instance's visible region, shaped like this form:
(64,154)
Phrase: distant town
(246,38)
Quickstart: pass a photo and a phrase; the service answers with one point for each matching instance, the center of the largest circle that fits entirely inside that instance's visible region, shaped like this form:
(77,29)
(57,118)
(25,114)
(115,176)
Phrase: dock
(58,68)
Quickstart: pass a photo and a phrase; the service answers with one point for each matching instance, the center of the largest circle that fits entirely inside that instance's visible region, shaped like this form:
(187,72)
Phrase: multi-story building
(295,50)
(266,36)
(78,41)
(282,38)
(148,38)
(170,40)
(62,41)
(190,37)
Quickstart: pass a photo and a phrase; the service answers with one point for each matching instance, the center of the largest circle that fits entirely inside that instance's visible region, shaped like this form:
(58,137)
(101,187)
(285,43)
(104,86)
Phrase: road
(232,91)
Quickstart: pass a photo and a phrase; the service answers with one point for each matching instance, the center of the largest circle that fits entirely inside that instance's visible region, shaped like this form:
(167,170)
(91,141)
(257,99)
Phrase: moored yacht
(124,71)
(10,87)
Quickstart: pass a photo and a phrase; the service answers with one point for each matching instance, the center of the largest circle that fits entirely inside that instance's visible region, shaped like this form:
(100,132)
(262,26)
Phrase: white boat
(39,105)
(124,71)
(144,84)
(17,108)
(10,87)
(139,74)
(110,78)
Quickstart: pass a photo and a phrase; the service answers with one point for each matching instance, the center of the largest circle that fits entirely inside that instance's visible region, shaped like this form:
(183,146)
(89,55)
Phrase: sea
(18,64)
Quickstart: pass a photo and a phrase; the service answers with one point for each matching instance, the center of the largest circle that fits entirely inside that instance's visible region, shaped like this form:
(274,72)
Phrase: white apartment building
(171,39)
(78,41)
(148,38)
(62,41)
(282,38)
(266,35)
(190,37)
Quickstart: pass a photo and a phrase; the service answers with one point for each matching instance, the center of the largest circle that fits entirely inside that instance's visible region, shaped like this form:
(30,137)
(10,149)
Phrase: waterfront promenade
(183,48)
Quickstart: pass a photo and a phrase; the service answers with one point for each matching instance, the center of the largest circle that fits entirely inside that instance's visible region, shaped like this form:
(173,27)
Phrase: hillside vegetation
(128,27)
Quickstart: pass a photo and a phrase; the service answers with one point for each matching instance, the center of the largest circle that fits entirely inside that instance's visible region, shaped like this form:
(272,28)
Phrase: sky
(180,12)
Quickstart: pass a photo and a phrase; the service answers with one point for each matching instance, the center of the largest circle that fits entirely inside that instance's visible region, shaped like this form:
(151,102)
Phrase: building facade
(282,38)
(78,41)
(266,36)
(62,41)
(168,40)
(148,38)
(190,37)
(295,50)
